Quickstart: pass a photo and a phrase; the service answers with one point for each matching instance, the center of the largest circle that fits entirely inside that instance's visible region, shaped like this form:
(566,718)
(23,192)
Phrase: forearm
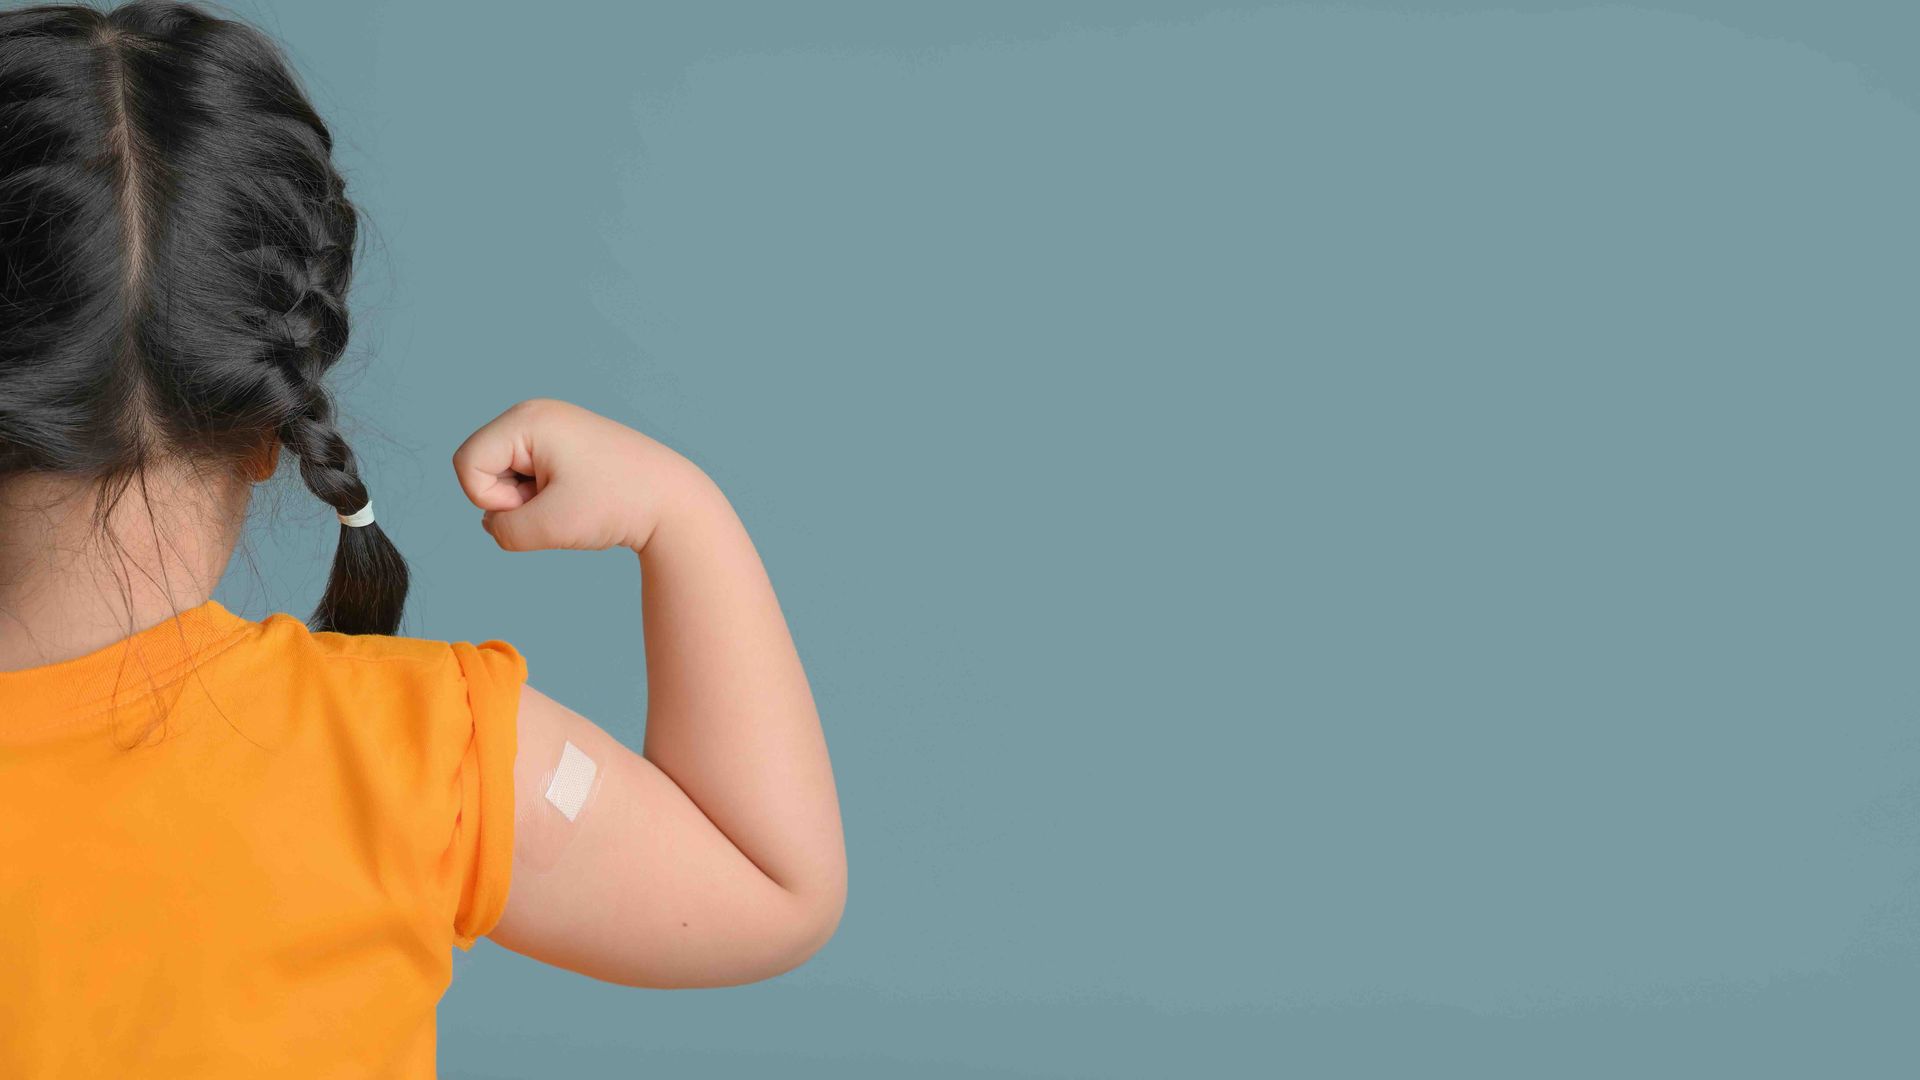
(730,716)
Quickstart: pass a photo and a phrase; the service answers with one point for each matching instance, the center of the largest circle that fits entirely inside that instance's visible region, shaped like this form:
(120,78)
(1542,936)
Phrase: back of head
(175,254)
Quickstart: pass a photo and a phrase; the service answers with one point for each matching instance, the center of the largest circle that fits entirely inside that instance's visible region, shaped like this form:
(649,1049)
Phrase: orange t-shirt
(243,849)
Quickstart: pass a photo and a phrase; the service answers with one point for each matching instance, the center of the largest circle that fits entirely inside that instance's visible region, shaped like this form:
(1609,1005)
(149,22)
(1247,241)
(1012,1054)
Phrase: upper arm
(641,888)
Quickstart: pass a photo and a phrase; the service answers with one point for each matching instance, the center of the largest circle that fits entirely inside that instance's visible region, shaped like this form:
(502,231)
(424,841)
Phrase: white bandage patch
(572,781)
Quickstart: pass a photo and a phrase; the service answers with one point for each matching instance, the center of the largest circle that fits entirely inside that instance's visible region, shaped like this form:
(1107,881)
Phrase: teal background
(1361,540)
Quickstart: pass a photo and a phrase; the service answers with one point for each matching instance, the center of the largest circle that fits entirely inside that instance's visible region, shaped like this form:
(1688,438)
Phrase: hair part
(176,249)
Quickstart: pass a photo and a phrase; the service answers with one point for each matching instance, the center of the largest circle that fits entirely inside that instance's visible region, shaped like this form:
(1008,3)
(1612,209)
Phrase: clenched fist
(554,475)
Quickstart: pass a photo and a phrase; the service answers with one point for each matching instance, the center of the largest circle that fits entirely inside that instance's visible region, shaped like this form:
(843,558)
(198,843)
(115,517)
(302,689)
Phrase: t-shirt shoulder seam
(425,661)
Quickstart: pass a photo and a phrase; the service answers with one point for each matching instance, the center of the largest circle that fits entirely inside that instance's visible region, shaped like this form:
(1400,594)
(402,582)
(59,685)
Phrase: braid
(326,463)
(367,588)
(306,277)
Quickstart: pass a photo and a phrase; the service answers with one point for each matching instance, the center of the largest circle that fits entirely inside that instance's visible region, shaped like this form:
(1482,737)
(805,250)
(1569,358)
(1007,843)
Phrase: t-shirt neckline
(140,664)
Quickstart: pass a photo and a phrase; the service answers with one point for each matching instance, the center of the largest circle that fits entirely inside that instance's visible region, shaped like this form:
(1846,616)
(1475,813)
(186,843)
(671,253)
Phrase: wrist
(681,492)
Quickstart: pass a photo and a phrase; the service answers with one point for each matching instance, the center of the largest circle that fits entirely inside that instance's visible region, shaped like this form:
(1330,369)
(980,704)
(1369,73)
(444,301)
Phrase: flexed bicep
(618,875)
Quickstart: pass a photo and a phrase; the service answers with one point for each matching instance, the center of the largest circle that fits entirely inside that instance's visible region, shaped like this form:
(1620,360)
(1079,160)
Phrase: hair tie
(360,517)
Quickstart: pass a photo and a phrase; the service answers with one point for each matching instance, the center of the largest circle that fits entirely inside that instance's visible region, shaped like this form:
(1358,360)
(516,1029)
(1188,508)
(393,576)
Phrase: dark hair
(175,252)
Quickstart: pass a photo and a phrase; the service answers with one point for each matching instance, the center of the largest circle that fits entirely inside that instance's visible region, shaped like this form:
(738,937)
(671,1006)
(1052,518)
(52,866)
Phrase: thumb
(532,527)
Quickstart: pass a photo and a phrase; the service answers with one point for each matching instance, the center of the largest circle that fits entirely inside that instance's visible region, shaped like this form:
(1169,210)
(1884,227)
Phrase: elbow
(813,918)
(819,917)
(826,921)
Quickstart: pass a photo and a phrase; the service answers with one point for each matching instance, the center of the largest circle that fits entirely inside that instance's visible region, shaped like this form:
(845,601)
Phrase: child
(238,848)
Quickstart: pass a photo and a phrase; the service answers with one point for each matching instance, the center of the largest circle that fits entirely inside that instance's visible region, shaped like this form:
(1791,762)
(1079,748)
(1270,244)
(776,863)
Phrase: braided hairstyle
(176,248)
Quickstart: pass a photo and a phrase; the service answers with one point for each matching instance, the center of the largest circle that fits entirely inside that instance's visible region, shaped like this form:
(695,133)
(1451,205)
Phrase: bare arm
(717,857)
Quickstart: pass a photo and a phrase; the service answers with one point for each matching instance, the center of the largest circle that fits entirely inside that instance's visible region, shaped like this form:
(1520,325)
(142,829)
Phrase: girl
(238,848)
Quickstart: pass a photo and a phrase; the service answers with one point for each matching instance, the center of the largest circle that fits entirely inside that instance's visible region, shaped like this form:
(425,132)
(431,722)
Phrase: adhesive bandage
(546,825)
(572,781)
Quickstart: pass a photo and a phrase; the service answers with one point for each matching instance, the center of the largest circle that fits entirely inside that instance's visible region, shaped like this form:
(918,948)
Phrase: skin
(712,857)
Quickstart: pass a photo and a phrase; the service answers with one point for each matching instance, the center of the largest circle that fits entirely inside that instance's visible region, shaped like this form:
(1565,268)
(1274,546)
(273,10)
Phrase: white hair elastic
(362,516)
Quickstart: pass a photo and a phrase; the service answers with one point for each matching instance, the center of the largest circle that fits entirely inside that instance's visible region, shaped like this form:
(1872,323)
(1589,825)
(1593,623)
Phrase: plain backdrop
(1330,540)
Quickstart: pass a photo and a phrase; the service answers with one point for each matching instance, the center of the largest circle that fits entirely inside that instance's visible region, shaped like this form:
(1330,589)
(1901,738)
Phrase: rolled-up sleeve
(483,835)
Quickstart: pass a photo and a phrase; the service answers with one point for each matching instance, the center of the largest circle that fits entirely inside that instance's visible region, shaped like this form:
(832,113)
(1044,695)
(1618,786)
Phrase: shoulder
(392,658)
(351,648)
(391,693)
